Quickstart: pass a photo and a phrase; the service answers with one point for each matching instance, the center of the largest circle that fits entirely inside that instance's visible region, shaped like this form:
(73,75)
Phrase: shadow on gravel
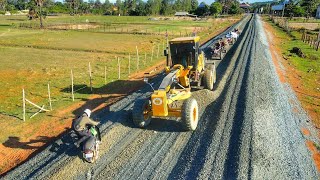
(164,125)
(197,148)
(156,124)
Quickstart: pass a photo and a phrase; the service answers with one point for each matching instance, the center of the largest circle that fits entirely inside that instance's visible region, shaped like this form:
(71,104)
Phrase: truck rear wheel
(190,114)
(141,113)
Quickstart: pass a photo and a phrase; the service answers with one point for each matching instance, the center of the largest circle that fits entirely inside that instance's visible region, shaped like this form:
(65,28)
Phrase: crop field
(32,58)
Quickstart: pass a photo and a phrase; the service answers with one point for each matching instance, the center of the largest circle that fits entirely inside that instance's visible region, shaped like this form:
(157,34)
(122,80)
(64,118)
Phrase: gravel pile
(247,130)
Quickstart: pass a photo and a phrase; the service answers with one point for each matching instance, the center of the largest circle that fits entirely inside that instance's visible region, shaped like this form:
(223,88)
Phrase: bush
(2,12)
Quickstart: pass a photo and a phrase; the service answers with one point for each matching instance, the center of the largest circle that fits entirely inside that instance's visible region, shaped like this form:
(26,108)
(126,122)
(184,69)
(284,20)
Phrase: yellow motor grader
(186,69)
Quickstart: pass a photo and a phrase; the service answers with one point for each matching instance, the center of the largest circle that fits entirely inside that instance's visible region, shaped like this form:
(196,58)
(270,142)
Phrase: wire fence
(115,28)
(87,82)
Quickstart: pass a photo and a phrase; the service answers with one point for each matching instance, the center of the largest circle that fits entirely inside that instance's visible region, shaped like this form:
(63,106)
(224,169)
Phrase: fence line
(73,90)
(101,27)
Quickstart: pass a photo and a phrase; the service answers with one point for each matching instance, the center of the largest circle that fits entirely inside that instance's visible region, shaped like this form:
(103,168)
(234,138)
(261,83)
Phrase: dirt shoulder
(288,73)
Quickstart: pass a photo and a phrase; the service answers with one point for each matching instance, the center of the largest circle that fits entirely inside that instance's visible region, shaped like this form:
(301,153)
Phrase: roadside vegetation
(303,73)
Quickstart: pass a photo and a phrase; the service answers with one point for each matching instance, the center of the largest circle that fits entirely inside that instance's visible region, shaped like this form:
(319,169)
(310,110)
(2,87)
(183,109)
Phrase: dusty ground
(16,150)
(310,26)
(288,74)
(74,26)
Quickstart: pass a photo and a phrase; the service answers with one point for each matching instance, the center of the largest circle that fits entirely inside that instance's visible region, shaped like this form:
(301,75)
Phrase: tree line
(293,8)
(125,7)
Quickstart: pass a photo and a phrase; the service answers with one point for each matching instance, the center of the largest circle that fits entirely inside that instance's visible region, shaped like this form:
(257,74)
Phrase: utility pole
(284,6)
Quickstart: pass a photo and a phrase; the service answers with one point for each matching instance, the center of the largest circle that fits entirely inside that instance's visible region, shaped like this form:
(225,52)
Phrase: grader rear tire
(208,79)
(140,113)
(190,114)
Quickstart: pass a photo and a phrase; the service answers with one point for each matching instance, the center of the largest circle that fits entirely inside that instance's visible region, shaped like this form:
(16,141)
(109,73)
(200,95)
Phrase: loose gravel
(247,130)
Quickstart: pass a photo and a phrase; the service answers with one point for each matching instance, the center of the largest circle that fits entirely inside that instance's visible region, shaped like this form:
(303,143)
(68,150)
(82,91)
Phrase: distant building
(245,7)
(184,14)
(181,14)
(278,9)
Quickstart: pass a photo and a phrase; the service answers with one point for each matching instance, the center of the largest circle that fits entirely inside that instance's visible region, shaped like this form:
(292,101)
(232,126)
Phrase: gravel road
(248,130)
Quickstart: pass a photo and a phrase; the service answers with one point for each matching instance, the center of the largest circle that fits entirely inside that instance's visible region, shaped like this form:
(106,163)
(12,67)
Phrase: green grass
(32,58)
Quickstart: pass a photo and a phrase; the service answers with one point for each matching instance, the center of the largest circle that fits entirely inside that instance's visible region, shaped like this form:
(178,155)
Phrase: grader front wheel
(141,113)
(190,114)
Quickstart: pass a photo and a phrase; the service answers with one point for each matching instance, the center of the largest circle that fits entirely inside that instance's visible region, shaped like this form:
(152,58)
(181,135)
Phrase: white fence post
(129,65)
(24,105)
(105,75)
(137,57)
(49,96)
(90,76)
(145,58)
(152,54)
(72,94)
(158,50)
(119,77)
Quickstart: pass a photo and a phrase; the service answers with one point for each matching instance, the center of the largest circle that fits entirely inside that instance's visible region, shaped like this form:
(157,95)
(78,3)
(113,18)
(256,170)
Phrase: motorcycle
(90,147)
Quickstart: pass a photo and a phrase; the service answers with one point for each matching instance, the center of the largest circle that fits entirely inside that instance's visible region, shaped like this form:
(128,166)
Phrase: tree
(226,5)
(178,5)
(20,4)
(203,10)
(107,8)
(186,5)
(39,3)
(153,7)
(194,5)
(73,6)
(215,8)
(3,4)
(119,6)
(310,7)
(234,9)
(298,11)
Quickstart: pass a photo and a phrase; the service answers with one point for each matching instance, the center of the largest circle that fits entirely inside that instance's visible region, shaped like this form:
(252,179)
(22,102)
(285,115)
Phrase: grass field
(305,72)
(32,58)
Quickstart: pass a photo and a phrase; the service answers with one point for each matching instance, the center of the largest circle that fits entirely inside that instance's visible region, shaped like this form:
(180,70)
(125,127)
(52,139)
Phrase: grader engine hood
(159,97)
(159,103)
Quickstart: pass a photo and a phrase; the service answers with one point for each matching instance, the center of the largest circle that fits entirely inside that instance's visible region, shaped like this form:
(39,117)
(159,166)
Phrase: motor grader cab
(186,52)
(173,97)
